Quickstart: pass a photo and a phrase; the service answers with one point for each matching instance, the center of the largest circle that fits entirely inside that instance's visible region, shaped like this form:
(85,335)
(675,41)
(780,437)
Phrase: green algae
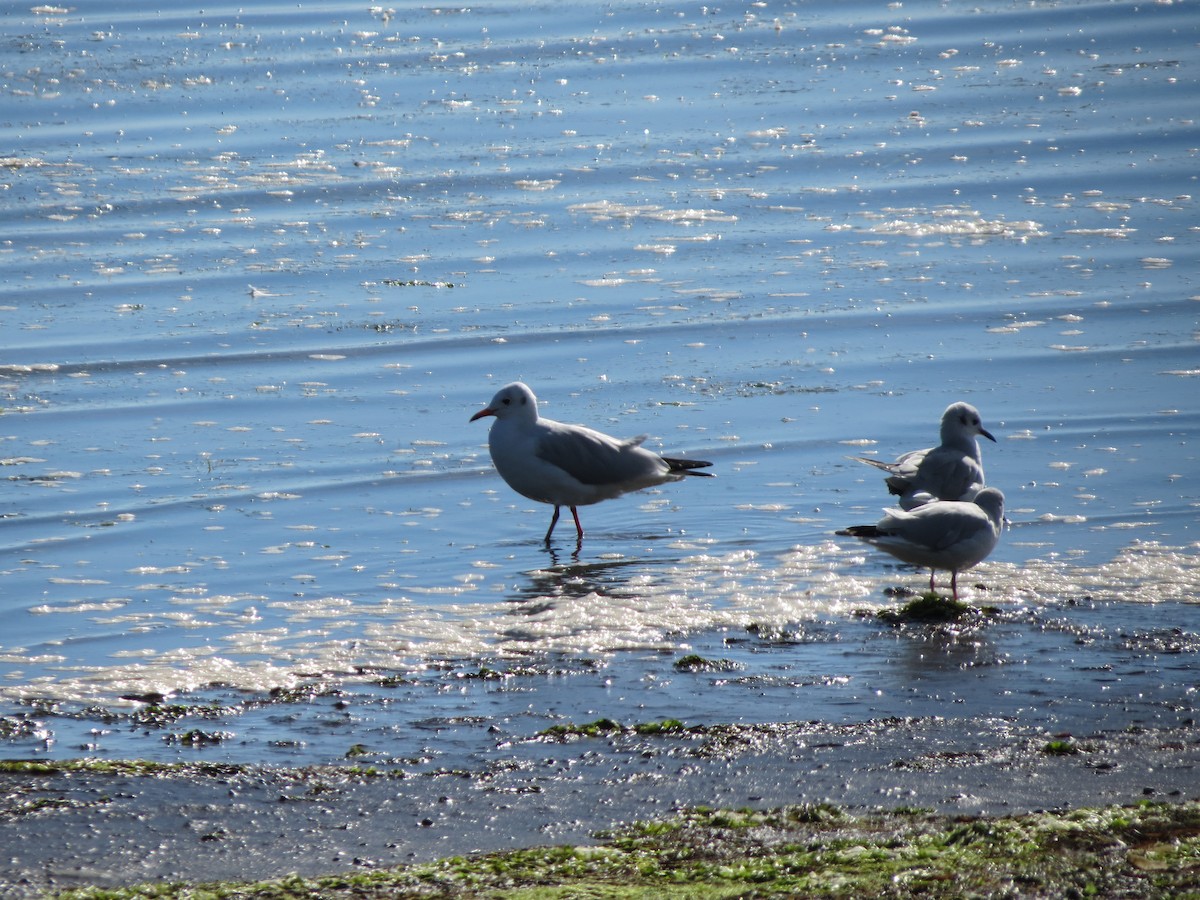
(609,727)
(1060,747)
(590,729)
(1147,850)
(693,662)
(665,726)
(935,609)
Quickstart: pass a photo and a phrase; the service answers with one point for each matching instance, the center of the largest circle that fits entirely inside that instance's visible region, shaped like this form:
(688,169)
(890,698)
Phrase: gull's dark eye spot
(507,401)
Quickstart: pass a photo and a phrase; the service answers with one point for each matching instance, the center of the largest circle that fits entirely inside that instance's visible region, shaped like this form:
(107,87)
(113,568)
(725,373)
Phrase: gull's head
(962,420)
(991,501)
(513,401)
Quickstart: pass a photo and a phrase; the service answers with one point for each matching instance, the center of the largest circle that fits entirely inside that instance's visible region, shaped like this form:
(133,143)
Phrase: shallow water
(260,266)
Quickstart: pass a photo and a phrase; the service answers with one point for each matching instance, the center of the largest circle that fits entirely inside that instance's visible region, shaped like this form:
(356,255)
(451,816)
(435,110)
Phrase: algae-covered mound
(1147,850)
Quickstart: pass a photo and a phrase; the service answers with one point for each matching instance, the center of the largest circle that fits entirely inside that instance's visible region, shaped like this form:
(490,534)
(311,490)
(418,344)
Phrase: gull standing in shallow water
(942,534)
(569,465)
(951,471)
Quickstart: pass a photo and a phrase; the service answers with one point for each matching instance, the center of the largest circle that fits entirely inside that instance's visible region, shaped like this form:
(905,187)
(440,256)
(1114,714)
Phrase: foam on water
(255,643)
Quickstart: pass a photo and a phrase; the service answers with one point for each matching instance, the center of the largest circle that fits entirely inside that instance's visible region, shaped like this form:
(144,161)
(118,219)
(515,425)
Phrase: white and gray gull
(951,471)
(569,465)
(952,535)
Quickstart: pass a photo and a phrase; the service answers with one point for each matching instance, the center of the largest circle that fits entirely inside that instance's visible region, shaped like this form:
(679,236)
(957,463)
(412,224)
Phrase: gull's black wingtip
(859,531)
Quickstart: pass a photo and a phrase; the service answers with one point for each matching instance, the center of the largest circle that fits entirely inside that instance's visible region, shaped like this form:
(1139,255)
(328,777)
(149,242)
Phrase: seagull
(942,534)
(569,465)
(951,471)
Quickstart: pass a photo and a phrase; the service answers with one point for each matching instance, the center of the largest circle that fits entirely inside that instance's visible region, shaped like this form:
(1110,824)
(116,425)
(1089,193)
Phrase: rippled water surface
(261,264)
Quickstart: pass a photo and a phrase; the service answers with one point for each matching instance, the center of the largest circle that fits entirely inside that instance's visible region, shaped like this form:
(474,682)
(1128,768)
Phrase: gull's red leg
(553,522)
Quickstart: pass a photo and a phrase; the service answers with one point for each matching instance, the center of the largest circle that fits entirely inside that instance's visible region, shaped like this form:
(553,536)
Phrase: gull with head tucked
(944,534)
(951,471)
(569,465)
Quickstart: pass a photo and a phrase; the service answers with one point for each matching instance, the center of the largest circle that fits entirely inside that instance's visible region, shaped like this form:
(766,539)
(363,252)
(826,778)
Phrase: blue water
(261,265)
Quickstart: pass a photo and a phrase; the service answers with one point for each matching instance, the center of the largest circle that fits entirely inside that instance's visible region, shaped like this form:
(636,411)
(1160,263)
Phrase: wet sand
(1017,707)
(1122,736)
(70,829)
